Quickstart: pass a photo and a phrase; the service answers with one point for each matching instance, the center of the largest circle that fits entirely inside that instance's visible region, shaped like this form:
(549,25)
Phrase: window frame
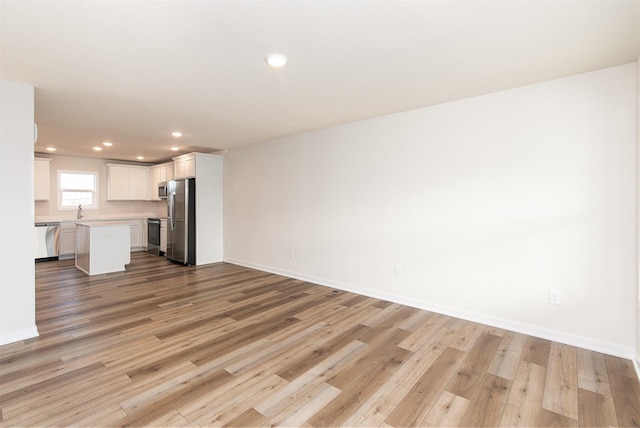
(95,191)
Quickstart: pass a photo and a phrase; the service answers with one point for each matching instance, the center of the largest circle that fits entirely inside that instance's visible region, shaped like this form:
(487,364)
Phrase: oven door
(153,236)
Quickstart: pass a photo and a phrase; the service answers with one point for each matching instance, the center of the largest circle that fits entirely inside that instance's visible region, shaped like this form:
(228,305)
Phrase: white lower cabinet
(145,235)
(136,235)
(102,247)
(163,235)
(67,240)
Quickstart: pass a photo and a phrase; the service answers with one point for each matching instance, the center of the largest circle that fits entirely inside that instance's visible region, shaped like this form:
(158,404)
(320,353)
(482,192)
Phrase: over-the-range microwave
(162,190)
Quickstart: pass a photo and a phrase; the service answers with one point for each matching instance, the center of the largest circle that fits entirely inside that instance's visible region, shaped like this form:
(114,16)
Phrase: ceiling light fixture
(175,149)
(276,60)
(140,157)
(51,149)
(107,144)
(177,134)
(97,149)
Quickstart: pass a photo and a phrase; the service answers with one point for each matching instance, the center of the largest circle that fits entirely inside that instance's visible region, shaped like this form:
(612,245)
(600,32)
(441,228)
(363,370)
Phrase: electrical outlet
(397,270)
(555,297)
(292,254)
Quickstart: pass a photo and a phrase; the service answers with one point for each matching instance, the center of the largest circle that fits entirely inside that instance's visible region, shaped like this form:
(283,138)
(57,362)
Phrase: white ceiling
(132,71)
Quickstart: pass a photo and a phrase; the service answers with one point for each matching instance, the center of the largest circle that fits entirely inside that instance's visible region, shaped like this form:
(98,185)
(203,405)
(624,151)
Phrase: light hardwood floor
(168,345)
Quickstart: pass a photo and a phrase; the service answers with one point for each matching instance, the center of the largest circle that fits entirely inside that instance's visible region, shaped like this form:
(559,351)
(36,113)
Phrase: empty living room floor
(223,345)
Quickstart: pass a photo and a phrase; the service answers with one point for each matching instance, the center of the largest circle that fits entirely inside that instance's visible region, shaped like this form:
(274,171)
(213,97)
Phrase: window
(77,188)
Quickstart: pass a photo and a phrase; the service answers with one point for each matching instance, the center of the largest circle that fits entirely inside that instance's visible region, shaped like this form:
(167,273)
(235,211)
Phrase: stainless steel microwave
(162,190)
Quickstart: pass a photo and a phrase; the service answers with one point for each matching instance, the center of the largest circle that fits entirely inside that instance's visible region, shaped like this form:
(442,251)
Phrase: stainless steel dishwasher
(47,245)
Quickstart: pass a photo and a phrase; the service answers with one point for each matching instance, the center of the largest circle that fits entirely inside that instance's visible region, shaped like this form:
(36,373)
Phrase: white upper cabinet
(170,170)
(185,165)
(127,183)
(41,175)
(139,186)
(119,183)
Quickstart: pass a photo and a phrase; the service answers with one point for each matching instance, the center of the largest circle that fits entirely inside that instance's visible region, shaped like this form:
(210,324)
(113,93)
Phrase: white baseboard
(636,363)
(528,329)
(17,335)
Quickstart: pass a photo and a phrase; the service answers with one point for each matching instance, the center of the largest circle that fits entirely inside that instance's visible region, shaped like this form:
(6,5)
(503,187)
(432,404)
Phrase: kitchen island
(102,246)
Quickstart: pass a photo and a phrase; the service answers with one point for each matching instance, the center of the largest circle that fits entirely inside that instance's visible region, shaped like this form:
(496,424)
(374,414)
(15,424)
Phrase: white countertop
(88,217)
(102,223)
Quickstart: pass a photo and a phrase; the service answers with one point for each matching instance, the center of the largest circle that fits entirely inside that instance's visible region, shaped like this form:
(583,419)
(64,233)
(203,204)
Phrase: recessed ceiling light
(140,157)
(51,149)
(175,149)
(276,60)
(107,143)
(97,149)
(176,134)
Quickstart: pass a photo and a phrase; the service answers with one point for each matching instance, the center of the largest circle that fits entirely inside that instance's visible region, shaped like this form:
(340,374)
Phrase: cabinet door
(67,240)
(185,167)
(139,184)
(178,169)
(154,174)
(118,186)
(145,234)
(163,236)
(189,167)
(169,170)
(41,176)
(136,235)
(162,170)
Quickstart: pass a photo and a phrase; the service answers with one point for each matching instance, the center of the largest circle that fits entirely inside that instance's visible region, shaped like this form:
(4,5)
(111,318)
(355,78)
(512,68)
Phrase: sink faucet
(80,212)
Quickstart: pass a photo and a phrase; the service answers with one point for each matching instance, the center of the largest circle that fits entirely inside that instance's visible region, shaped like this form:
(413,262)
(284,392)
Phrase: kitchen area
(146,201)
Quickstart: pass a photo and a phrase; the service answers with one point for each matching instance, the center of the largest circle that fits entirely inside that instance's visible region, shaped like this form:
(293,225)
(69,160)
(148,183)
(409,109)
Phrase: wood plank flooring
(222,345)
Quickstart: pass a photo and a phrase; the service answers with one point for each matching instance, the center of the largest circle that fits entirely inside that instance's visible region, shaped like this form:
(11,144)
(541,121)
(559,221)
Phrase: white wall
(637,360)
(17,277)
(49,209)
(209,188)
(486,203)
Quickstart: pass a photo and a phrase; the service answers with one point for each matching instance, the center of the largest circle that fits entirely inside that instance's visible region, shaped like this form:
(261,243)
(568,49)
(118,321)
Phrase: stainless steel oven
(153,236)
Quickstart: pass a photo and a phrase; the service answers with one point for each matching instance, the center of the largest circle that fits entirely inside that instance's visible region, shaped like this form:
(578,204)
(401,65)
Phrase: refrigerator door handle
(172,211)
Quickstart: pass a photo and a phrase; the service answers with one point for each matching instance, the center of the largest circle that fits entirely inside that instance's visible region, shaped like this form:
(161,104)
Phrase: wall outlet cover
(397,270)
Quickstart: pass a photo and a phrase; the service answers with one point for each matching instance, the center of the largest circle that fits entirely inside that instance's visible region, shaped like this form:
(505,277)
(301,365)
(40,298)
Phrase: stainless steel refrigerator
(181,222)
